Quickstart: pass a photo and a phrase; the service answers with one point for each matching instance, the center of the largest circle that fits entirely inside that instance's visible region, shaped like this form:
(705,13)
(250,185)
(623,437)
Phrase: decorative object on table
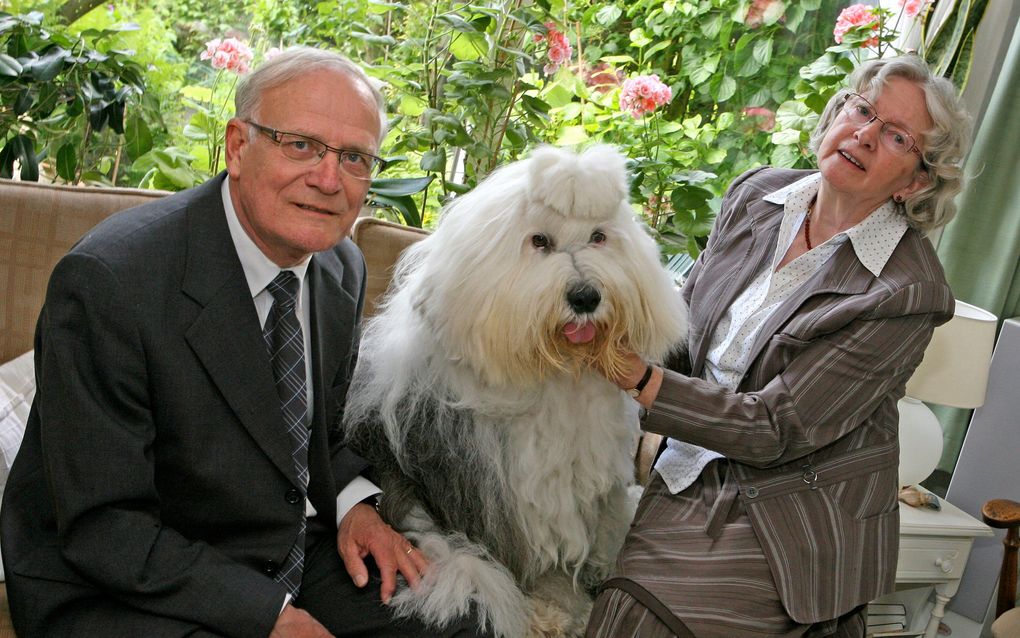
(954,373)
(915,497)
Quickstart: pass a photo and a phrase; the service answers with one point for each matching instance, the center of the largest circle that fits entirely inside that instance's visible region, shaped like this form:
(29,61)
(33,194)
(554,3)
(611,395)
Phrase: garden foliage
(694,91)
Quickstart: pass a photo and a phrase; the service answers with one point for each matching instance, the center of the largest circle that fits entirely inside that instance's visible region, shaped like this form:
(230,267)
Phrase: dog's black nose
(583,299)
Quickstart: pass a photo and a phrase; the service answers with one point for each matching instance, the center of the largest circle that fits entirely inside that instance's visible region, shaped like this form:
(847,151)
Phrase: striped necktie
(287,351)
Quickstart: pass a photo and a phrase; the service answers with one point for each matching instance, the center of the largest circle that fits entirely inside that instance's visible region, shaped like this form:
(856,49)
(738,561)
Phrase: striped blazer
(811,430)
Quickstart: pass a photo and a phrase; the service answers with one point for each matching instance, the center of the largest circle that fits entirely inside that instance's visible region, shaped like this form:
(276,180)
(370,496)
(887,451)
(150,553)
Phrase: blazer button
(269,568)
(293,496)
(751,492)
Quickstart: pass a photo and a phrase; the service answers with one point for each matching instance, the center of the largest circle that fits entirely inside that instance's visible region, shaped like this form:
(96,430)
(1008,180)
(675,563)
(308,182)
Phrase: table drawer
(932,559)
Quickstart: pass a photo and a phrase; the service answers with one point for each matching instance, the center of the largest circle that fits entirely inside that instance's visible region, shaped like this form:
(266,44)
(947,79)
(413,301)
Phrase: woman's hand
(634,368)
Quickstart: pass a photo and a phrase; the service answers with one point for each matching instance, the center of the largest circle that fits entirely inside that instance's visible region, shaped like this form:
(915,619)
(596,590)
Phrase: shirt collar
(259,270)
(873,239)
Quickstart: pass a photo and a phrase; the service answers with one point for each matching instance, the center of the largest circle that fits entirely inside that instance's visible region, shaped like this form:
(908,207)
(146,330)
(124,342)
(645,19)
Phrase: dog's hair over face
(546,250)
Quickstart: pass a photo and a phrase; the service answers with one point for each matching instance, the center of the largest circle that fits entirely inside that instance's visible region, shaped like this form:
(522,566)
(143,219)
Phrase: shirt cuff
(353,493)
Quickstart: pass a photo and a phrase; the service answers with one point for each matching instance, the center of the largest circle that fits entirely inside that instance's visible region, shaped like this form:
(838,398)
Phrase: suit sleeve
(98,435)
(827,387)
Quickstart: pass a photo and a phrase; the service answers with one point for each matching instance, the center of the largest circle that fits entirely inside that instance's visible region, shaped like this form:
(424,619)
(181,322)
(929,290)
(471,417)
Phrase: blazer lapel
(333,314)
(842,274)
(226,336)
(744,265)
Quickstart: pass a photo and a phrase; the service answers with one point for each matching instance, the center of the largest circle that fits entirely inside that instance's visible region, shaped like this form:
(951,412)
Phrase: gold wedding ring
(410,548)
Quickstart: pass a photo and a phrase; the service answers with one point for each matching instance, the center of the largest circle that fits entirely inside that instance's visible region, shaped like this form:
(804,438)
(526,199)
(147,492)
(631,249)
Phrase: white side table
(934,547)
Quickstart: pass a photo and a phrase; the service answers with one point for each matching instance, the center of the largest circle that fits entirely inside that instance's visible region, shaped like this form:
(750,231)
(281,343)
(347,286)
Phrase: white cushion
(17,388)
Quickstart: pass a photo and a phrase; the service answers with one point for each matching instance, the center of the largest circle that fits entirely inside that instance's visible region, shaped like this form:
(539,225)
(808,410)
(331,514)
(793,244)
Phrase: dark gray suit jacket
(155,469)
(811,431)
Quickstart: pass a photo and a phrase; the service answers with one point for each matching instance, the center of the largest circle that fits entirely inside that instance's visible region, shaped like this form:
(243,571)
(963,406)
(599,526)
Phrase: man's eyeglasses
(310,151)
(860,112)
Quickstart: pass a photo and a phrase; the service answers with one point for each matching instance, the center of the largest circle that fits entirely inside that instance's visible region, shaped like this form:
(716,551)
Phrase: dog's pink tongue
(579,333)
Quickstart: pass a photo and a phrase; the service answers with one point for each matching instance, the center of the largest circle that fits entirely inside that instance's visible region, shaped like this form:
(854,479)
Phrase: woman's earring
(898,199)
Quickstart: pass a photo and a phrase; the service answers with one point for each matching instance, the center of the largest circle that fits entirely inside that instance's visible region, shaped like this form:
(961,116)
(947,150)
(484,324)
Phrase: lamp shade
(954,371)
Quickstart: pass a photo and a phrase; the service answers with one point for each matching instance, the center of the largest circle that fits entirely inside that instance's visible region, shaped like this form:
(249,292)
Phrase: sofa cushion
(38,224)
(17,388)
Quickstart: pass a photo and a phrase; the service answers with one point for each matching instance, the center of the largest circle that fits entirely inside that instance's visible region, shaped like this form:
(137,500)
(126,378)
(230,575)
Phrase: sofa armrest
(381,242)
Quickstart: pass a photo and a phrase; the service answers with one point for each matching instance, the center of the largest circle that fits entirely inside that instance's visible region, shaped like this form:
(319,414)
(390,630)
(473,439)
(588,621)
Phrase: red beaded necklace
(807,222)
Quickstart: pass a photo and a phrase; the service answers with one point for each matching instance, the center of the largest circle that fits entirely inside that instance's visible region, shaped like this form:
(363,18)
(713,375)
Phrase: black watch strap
(636,390)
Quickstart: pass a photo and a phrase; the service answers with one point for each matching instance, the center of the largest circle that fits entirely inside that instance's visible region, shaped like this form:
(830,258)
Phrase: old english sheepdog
(502,452)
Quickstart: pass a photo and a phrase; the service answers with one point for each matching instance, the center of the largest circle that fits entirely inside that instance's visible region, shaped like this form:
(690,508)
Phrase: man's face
(291,210)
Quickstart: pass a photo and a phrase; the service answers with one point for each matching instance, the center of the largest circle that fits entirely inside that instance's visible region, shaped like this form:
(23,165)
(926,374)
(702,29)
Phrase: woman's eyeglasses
(860,112)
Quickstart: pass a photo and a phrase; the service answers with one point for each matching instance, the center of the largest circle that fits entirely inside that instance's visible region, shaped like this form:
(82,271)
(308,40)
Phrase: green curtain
(980,249)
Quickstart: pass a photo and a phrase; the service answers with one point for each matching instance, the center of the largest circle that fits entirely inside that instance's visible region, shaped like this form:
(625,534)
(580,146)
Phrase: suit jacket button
(752,492)
(269,568)
(293,496)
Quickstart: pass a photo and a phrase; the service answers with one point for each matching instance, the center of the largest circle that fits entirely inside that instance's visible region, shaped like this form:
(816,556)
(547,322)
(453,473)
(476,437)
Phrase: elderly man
(182,472)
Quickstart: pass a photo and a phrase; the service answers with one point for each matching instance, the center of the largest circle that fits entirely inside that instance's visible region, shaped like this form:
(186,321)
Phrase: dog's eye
(539,241)
(597,237)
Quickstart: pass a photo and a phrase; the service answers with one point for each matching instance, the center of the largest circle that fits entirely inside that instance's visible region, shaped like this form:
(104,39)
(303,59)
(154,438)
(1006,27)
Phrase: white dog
(501,451)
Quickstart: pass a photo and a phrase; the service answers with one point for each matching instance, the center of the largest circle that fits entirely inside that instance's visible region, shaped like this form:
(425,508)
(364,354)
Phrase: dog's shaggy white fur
(501,451)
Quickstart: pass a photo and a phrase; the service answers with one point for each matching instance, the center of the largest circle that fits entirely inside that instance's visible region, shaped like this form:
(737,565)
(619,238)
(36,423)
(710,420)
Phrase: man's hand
(297,623)
(363,532)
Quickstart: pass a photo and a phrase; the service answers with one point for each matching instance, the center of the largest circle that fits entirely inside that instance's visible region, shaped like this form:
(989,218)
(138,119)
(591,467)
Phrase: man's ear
(235,142)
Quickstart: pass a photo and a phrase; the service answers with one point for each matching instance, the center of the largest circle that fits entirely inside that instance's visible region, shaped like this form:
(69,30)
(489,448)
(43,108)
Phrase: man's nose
(327,176)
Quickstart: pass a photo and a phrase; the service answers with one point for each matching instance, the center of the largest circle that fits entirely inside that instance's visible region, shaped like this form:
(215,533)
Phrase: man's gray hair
(945,144)
(294,63)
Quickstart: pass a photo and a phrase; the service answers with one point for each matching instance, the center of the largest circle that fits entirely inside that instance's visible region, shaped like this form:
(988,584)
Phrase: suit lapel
(226,336)
(842,274)
(744,265)
(333,317)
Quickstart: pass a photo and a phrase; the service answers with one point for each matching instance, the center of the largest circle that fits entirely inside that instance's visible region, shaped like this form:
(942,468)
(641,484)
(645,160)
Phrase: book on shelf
(875,629)
(882,619)
(886,608)
(900,633)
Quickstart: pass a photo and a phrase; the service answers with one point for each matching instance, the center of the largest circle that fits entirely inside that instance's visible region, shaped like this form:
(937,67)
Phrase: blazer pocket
(779,352)
(859,499)
(46,563)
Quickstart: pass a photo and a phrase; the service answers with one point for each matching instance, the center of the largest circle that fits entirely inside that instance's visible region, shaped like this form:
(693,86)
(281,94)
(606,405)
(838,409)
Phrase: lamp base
(920,441)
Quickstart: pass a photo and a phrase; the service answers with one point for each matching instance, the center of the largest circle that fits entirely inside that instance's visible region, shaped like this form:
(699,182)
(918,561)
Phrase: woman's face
(854,161)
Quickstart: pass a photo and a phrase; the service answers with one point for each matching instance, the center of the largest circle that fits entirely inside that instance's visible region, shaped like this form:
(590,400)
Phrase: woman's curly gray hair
(945,144)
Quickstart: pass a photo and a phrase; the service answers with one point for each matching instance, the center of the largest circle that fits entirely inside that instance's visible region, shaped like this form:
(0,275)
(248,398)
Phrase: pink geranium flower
(764,119)
(229,53)
(856,16)
(559,51)
(761,11)
(912,7)
(602,77)
(643,94)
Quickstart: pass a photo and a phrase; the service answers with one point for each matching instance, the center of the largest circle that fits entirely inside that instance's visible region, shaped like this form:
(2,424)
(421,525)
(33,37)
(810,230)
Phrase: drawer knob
(945,564)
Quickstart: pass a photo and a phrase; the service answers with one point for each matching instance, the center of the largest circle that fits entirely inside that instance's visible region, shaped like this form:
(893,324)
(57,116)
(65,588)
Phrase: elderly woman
(772,508)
